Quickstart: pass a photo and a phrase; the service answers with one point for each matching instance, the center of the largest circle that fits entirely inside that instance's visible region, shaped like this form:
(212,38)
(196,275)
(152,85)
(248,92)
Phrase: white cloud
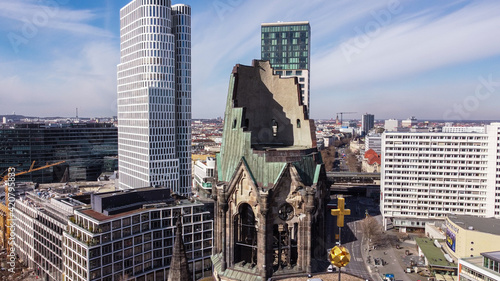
(221,42)
(413,47)
(84,81)
(66,63)
(19,16)
(438,39)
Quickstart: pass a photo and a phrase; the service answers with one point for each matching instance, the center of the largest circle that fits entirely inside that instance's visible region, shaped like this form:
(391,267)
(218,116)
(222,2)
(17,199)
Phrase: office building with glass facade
(130,236)
(86,147)
(367,123)
(110,236)
(286,45)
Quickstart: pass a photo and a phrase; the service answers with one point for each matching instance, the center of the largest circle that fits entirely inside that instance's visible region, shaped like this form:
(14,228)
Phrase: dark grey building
(88,149)
(367,123)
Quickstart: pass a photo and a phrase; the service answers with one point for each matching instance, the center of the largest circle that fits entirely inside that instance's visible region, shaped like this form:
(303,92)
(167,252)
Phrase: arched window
(298,123)
(275,128)
(245,236)
(285,245)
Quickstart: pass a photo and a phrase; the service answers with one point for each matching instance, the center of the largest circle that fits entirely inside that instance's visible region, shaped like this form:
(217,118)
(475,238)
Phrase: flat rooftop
(137,209)
(492,255)
(485,225)
(434,255)
(115,202)
(285,23)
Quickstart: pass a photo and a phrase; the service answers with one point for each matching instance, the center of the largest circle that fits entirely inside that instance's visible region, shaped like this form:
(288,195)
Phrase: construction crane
(35,169)
(342,115)
(4,208)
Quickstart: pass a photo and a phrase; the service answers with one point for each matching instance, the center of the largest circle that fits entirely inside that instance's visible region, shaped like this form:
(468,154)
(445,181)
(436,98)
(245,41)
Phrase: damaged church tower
(271,190)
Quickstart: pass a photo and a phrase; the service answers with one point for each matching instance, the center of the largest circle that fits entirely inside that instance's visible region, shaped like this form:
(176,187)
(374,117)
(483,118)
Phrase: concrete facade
(391,125)
(63,236)
(373,141)
(427,176)
(204,174)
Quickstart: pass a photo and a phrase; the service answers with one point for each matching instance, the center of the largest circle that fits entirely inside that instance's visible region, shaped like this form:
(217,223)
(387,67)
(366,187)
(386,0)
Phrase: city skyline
(365,57)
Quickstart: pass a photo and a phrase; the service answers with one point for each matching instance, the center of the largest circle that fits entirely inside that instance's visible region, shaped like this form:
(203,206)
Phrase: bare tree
(352,161)
(328,155)
(372,230)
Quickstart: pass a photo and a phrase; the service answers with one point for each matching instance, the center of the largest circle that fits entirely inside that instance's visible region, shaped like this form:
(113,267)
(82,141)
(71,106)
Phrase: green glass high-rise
(286,45)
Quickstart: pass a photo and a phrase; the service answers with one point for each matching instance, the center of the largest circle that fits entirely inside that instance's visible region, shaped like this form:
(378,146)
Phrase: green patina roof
(237,146)
(433,254)
(307,169)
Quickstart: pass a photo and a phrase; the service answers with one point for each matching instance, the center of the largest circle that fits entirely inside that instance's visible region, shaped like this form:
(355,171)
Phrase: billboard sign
(450,239)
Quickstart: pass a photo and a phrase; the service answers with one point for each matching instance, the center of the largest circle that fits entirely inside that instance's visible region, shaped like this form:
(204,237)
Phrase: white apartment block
(456,129)
(426,176)
(204,171)
(410,122)
(373,141)
(154,96)
(391,125)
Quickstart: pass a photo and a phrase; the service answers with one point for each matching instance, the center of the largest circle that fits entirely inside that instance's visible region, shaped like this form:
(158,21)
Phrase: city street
(362,262)
(351,237)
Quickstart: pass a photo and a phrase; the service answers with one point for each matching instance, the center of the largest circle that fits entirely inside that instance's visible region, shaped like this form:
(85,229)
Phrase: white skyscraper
(154,95)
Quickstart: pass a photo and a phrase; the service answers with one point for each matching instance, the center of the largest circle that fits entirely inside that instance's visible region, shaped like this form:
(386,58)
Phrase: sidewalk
(386,254)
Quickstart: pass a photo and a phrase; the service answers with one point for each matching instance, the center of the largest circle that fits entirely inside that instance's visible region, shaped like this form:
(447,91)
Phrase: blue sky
(394,59)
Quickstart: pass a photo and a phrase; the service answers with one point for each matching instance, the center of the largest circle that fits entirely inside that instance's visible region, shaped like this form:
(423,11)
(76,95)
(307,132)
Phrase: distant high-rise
(287,46)
(367,123)
(391,125)
(154,96)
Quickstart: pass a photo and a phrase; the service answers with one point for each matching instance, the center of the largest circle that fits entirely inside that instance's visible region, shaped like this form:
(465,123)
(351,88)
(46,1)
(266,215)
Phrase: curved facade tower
(182,31)
(150,93)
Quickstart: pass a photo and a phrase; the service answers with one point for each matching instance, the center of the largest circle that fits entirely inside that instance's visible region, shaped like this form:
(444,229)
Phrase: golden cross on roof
(340,212)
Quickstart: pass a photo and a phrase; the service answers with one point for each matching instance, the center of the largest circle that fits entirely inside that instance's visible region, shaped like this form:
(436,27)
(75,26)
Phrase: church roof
(179,269)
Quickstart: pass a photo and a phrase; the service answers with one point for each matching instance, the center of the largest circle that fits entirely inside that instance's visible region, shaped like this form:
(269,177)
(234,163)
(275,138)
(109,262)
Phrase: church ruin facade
(271,190)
